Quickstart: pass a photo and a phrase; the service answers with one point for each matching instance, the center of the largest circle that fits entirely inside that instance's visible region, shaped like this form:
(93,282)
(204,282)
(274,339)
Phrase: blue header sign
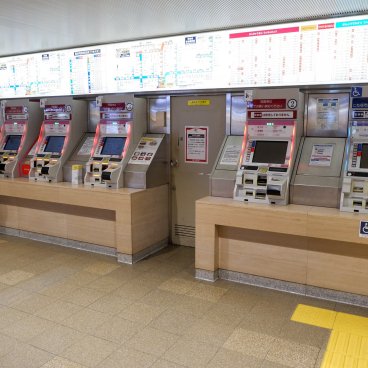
(360,103)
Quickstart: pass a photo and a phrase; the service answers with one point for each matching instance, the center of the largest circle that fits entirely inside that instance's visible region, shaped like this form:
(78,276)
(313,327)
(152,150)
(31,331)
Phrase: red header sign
(14,109)
(265,32)
(326,26)
(109,107)
(269,104)
(55,108)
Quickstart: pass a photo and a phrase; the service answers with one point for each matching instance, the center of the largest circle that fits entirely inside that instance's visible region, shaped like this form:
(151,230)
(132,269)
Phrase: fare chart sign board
(330,51)
(196,144)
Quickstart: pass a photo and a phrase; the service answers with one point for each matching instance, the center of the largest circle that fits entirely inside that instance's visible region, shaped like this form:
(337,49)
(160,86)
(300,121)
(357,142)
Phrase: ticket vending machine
(21,125)
(317,178)
(271,136)
(122,123)
(65,120)
(354,193)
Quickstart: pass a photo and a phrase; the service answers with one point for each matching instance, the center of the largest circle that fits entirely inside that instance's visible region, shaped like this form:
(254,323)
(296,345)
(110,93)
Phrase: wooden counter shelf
(307,246)
(127,222)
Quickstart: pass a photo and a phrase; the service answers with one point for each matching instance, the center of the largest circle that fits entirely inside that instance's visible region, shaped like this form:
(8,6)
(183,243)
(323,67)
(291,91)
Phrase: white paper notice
(32,152)
(231,155)
(86,148)
(328,113)
(145,151)
(196,144)
(321,155)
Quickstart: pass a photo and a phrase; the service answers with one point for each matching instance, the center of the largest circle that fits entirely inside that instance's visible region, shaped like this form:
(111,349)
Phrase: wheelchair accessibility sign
(356,92)
(363,230)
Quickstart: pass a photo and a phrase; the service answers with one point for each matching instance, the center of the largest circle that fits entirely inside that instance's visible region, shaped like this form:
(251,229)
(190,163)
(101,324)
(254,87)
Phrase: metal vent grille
(28,26)
(186,231)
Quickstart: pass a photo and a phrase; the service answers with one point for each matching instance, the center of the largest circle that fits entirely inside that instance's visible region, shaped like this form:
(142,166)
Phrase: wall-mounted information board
(315,52)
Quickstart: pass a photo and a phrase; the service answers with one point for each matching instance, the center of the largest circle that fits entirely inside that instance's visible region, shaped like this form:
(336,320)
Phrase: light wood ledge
(129,220)
(302,244)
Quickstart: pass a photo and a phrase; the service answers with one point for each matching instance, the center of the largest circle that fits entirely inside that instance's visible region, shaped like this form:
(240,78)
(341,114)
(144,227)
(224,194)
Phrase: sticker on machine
(196,144)
(145,151)
(363,229)
(231,155)
(321,155)
(86,148)
(328,113)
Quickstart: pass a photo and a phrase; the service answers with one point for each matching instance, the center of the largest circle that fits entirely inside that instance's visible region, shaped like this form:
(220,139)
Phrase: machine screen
(54,144)
(113,146)
(13,143)
(270,152)
(364,157)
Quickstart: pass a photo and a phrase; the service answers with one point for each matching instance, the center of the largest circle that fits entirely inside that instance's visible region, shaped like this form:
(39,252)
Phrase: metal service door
(198,129)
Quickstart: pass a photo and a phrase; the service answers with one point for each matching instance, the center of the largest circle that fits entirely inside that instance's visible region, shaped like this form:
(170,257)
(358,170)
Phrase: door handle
(174,163)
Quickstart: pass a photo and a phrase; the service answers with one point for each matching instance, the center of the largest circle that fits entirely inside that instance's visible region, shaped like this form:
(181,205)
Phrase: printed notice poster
(321,155)
(231,155)
(145,151)
(328,113)
(196,144)
(86,148)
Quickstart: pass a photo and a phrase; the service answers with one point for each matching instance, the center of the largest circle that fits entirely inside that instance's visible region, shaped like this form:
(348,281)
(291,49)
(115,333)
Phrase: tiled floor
(62,308)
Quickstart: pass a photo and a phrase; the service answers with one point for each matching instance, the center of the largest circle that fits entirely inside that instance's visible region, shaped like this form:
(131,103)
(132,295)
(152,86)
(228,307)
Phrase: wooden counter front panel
(129,220)
(311,246)
(8,212)
(329,223)
(63,221)
(150,217)
(338,266)
(278,256)
(42,221)
(87,230)
(286,220)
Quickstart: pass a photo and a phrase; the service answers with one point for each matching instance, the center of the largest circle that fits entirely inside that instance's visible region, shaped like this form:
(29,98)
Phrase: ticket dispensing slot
(264,170)
(354,194)
(64,123)
(19,132)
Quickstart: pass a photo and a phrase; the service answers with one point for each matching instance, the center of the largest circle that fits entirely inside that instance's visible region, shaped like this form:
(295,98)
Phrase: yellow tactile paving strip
(348,344)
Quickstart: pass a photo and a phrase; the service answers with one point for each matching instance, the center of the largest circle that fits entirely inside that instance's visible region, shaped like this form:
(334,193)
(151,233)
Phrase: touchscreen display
(270,152)
(55,144)
(364,157)
(113,146)
(13,143)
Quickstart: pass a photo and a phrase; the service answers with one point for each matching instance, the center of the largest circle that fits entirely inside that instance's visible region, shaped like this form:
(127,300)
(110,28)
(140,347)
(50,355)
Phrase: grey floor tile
(191,353)
(174,322)
(249,343)
(305,334)
(90,351)
(128,358)
(55,340)
(225,358)
(293,354)
(25,356)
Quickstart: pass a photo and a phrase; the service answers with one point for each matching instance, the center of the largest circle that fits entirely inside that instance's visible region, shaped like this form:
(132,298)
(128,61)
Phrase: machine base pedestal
(206,275)
(286,286)
(68,243)
(133,258)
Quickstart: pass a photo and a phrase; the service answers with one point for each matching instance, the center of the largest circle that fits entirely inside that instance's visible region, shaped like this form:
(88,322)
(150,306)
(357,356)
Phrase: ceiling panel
(36,25)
